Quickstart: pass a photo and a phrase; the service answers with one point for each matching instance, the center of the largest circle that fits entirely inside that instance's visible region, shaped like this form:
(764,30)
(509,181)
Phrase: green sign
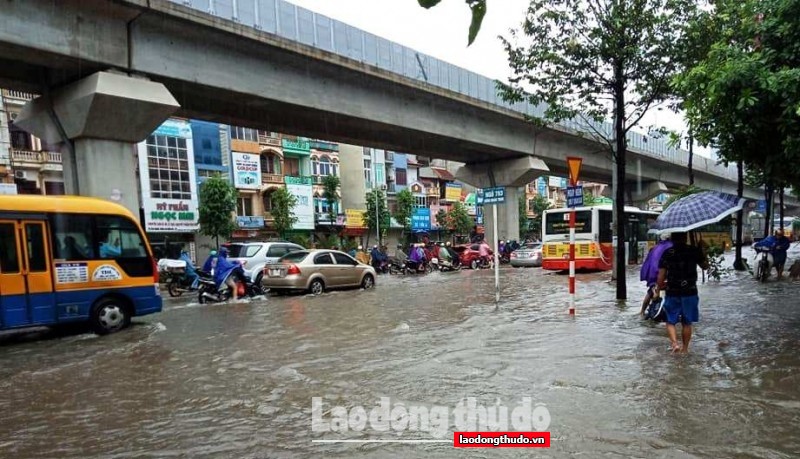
(306,180)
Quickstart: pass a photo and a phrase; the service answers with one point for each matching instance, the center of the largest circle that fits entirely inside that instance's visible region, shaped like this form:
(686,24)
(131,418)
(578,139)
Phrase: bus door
(26,282)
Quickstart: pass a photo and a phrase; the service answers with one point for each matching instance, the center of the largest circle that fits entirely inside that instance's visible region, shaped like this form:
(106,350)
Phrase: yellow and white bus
(70,259)
(593,236)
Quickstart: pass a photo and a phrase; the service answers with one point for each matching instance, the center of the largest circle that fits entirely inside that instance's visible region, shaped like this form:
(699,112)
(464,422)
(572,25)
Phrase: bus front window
(558,223)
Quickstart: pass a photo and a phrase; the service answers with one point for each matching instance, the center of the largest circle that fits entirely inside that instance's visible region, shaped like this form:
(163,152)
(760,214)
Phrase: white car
(256,255)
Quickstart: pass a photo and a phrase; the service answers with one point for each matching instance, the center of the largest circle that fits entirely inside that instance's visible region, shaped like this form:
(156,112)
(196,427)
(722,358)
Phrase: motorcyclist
(210,263)
(191,271)
(778,245)
(483,251)
(377,258)
(416,257)
(444,255)
(362,256)
(400,257)
(226,271)
(454,257)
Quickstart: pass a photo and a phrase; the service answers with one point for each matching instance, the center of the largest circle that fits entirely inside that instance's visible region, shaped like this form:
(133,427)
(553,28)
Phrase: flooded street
(237,380)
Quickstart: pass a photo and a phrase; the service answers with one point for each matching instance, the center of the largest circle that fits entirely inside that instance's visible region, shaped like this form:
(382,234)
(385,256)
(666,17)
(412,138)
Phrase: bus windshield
(558,222)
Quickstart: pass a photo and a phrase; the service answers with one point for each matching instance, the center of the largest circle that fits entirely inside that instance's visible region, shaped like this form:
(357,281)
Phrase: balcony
(271,178)
(265,139)
(433,192)
(43,160)
(19,95)
(322,145)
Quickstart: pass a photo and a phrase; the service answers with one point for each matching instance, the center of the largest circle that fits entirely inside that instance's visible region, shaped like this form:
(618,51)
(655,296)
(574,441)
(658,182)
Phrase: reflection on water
(237,380)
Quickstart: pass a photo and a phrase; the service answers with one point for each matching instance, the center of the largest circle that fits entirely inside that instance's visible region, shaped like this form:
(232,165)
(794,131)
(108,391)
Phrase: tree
(540,204)
(330,192)
(524,223)
(443,220)
(404,209)
(217,205)
(478,8)
(283,204)
(383,213)
(742,96)
(589,60)
(588,198)
(459,220)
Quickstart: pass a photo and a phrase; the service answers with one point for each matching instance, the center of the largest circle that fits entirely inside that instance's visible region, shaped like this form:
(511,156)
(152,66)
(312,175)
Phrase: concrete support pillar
(507,218)
(99,120)
(511,174)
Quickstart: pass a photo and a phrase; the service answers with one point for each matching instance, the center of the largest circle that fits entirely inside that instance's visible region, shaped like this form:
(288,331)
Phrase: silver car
(318,270)
(529,255)
(256,255)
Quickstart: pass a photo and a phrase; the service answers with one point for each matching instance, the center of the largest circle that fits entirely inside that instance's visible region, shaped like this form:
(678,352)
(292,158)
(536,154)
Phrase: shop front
(169,209)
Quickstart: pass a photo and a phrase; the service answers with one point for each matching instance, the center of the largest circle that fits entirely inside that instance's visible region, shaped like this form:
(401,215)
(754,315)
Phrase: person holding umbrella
(677,277)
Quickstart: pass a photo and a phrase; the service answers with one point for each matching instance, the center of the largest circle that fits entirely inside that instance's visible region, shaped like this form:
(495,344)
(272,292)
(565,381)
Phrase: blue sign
(479,216)
(541,186)
(496,195)
(761,207)
(421,220)
(250,222)
(574,196)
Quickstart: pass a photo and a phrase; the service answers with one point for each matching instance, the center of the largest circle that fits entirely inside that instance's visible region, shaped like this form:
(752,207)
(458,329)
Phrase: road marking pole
(496,256)
(572,262)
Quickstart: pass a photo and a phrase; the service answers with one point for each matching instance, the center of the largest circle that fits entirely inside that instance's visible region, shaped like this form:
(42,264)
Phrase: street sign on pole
(574,199)
(575,196)
(494,195)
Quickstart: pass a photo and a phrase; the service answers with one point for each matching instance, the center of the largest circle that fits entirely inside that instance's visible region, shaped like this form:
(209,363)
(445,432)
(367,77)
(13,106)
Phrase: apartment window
(244,206)
(400,177)
(368,170)
(292,167)
(420,201)
(322,207)
(270,164)
(20,139)
(324,166)
(268,201)
(379,173)
(168,167)
(270,134)
(241,133)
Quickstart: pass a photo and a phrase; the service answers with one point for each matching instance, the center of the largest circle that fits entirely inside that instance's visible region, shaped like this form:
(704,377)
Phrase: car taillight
(293,269)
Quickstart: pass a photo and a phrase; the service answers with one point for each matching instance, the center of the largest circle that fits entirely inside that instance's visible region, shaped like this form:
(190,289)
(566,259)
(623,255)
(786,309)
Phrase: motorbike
(209,293)
(178,283)
(444,265)
(482,263)
(409,267)
(764,264)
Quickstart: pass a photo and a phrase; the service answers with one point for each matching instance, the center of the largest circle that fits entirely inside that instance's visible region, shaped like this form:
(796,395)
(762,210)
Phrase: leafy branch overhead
(478,8)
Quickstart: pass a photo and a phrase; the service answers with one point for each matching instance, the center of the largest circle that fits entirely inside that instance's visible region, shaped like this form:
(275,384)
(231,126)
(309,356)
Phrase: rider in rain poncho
(223,272)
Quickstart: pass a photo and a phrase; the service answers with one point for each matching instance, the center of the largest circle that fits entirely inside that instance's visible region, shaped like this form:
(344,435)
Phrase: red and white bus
(593,237)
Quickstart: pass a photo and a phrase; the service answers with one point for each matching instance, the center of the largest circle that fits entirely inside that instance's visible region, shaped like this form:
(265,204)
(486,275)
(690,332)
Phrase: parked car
(470,255)
(318,270)
(256,255)
(528,255)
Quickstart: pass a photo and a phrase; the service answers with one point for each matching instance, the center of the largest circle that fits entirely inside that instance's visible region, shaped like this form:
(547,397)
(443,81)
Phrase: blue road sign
(495,195)
(575,196)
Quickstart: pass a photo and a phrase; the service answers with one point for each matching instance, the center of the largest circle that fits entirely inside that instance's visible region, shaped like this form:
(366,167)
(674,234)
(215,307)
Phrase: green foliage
(682,194)
(330,192)
(405,208)
(478,8)
(282,211)
(441,218)
(328,242)
(217,205)
(716,259)
(458,219)
(301,239)
(383,212)
(524,223)
(742,96)
(588,198)
(540,204)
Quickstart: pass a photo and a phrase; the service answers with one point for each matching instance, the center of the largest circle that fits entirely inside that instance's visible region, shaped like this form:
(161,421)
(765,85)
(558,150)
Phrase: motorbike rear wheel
(174,287)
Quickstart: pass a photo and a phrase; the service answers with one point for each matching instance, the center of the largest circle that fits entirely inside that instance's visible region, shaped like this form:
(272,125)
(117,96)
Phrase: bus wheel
(109,315)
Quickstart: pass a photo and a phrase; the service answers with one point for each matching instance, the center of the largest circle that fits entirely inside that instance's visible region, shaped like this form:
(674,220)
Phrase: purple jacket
(649,273)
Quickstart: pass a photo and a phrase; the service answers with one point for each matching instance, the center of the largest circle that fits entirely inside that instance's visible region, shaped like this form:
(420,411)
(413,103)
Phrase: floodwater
(237,380)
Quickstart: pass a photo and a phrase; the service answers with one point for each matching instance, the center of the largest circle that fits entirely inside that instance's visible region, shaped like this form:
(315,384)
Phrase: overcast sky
(442,32)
